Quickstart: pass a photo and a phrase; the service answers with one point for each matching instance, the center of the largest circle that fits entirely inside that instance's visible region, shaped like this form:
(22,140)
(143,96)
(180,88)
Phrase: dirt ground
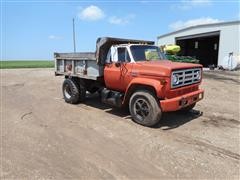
(43,137)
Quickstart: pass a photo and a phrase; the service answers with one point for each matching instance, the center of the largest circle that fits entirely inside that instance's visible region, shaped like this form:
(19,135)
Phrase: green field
(26,64)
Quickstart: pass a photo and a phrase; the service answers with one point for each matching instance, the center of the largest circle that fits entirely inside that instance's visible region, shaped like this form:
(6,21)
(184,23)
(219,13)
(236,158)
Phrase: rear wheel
(144,108)
(73,92)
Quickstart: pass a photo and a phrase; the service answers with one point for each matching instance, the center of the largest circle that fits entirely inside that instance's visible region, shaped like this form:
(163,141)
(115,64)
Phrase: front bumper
(180,102)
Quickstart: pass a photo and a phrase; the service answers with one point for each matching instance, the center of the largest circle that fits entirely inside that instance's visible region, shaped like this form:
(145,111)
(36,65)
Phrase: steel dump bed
(89,65)
(82,65)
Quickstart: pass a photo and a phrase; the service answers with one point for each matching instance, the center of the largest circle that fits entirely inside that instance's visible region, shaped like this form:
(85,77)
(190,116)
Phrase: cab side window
(128,59)
(123,55)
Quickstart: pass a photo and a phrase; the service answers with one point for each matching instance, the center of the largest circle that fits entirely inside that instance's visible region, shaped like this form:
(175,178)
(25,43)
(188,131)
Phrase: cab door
(117,73)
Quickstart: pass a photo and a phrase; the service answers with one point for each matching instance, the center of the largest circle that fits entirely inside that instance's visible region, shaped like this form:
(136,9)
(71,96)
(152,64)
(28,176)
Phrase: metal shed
(210,43)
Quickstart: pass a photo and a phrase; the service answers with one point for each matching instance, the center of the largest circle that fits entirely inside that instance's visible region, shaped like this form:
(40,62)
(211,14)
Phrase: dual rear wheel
(73,91)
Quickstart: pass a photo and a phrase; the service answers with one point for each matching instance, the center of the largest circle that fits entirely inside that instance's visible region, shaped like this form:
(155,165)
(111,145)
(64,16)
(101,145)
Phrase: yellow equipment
(171,49)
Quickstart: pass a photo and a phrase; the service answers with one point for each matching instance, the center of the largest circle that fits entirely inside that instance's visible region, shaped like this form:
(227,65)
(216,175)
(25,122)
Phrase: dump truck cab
(121,60)
(136,74)
(130,65)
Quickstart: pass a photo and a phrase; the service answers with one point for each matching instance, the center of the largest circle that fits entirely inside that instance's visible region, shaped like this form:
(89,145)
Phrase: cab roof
(104,43)
(117,45)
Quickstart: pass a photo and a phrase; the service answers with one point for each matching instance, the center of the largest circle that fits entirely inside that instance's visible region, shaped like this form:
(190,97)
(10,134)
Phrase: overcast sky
(36,29)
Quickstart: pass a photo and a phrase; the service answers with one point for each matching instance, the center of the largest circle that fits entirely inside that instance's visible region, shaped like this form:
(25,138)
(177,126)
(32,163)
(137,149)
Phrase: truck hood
(161,67)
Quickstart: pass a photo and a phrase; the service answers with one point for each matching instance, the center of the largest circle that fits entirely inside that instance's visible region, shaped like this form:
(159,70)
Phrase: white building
(210,43)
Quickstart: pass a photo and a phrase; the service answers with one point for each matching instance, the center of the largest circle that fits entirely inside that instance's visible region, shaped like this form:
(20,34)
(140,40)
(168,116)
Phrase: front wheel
(144,108)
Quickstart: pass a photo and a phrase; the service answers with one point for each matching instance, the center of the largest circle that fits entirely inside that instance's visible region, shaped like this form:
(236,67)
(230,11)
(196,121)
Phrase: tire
(144,108)
(73,93)
(188,108)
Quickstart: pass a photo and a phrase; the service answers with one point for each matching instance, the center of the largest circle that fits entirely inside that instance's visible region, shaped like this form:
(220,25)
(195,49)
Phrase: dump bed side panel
(82,65)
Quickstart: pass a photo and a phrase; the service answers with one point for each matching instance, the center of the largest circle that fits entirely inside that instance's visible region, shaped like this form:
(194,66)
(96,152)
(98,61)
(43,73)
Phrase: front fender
(155,84)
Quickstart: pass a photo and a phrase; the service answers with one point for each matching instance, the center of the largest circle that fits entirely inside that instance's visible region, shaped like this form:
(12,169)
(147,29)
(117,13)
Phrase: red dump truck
(132,73)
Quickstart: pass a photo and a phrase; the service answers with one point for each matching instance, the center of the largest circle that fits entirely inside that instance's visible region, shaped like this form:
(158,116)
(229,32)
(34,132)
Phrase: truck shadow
(173,120)
(169,120)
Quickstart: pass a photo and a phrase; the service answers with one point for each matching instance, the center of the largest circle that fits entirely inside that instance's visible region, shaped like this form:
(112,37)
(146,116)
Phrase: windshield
(146,53)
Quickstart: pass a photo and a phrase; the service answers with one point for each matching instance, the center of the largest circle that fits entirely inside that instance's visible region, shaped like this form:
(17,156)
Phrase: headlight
(175,79)
(198,75)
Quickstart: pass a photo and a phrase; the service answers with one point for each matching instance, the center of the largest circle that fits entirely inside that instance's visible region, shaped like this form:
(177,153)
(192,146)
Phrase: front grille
(186,77)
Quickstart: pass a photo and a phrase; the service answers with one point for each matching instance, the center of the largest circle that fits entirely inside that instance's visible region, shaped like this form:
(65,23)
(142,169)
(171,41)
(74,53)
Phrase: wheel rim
(141,109)
(67,91)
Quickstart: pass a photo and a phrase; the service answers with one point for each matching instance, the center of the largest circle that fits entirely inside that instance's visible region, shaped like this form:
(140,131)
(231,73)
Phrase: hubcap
(67,91)
(141,109)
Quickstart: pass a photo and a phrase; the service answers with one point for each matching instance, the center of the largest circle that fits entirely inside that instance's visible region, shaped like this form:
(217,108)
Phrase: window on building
(196,45)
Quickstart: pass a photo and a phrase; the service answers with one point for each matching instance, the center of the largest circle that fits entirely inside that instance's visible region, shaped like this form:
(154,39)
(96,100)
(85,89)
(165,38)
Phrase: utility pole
(74,41)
